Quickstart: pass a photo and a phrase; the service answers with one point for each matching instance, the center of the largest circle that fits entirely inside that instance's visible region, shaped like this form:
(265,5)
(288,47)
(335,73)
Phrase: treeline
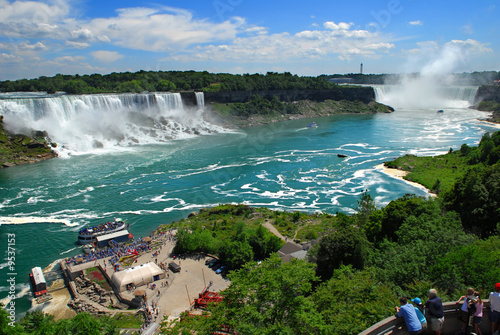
(163,81)
(467,180)
(40,323)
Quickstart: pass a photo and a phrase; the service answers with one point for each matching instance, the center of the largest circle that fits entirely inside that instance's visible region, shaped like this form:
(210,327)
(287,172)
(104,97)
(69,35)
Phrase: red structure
(38,282)
(207,297)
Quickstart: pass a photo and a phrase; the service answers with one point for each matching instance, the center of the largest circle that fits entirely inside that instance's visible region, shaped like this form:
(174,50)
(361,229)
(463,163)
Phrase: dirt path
(273,230)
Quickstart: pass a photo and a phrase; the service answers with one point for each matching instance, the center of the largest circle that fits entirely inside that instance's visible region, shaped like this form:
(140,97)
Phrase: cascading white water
(417,95)
(83,123)
(200,100)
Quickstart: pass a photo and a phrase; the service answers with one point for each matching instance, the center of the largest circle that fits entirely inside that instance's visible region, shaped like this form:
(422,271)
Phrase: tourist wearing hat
(419,309)
(495,310)
(408,312)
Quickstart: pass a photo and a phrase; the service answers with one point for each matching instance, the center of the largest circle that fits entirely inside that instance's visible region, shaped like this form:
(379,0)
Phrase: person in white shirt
(495,310)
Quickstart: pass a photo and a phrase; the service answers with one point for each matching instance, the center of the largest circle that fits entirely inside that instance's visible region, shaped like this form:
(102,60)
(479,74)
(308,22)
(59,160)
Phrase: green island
(345,284)
(16,149)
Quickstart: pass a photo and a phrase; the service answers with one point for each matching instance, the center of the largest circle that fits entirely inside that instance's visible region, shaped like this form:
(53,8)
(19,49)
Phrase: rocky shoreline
(17,149)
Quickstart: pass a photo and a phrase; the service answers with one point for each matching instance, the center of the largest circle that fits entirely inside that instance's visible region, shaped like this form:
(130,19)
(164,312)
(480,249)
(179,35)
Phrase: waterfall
(200,100)
(417,95)
(84,123)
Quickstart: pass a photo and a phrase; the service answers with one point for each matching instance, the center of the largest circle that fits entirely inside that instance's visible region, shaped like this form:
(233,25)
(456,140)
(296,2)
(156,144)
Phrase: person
(495,310)
(408,312)
(419,309)
(464,310)
(478,315)
(435,310)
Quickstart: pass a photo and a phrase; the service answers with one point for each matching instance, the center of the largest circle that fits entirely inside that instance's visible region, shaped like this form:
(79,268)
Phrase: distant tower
(361,69)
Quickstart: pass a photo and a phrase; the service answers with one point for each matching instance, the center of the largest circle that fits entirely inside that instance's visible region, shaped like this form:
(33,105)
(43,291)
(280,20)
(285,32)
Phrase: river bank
(400,174)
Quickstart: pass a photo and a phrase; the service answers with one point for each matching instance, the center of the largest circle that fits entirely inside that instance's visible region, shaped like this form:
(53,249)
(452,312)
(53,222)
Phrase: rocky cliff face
(363,94)
(488,93)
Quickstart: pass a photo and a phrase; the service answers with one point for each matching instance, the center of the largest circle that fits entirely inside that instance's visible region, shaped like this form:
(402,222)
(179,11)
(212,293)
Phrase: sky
(44,38)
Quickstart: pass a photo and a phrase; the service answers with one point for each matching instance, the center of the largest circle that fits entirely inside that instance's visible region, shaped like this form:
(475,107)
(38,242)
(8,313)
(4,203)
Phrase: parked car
(214,265)
(221,269)
(210,261)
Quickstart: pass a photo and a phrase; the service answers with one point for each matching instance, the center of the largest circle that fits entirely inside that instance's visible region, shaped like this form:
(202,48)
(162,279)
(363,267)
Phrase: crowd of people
(418,317)
(115,251)
(108,226)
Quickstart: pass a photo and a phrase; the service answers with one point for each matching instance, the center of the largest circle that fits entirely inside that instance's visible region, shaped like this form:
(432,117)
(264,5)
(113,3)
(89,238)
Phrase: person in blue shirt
(408,312)
(419,309)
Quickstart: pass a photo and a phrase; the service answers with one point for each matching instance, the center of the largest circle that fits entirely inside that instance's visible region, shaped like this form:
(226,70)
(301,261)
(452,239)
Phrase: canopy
(138,276)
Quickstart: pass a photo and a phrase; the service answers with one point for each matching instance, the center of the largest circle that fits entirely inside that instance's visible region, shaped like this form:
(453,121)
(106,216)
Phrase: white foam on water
(105,123)
(22,290)
(66,251)
(24,220)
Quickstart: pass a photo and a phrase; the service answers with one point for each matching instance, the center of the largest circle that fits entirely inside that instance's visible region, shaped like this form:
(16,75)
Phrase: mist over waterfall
(84,123)
(418,94)
(431,84)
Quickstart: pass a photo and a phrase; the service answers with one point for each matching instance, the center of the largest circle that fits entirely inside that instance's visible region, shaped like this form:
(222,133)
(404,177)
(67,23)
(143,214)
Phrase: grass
(294,225)
(438,173)
(128,320)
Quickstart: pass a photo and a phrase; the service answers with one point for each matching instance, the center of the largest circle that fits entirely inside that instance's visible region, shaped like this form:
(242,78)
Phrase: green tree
(347,245)
(38,323)
(270,298)
(366,206)
(351,300)
(420,242)
(75,87)
(165,86)
(476,264)
(476,197)
(6,325)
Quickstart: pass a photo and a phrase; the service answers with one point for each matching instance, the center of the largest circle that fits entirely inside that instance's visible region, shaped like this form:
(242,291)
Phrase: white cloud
(69,59)
(333,26)
(336,40)
(82,35)
(165,29)
(38,46)
(9,58)
(77,45)
(32,11)
(471,46)
(416,23)
(106,56)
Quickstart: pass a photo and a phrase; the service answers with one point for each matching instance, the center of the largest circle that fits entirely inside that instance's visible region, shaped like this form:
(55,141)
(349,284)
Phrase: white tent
(137,276)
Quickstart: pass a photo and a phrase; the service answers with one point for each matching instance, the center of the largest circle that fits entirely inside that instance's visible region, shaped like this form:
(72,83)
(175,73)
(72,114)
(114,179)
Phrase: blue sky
(242,36)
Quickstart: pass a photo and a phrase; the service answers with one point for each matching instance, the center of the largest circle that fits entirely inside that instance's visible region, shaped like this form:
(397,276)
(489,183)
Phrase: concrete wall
(452,323)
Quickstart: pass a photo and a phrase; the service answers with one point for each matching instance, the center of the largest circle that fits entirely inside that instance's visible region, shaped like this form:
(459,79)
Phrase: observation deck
(394,325)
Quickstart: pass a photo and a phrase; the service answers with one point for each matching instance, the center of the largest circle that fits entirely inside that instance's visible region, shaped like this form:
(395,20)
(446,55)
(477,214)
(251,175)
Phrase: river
(285,166)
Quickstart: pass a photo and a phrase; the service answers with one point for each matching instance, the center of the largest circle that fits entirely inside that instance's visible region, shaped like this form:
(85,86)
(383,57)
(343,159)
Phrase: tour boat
(88,235)
(312,125)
